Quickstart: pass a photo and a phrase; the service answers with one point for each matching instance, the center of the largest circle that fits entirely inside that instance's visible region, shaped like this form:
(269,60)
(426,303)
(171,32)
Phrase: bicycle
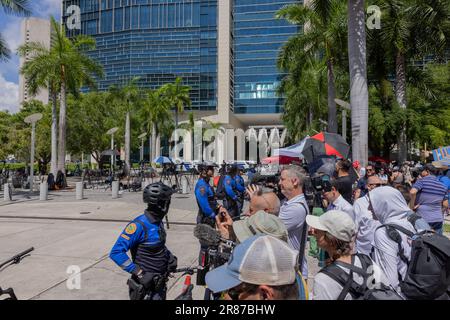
(14,260)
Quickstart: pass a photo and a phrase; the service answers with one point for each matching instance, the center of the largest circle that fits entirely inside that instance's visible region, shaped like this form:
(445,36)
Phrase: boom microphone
(208,236)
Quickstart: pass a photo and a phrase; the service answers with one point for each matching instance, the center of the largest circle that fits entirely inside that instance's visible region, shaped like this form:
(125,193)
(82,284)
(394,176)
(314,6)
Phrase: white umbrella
(294,151)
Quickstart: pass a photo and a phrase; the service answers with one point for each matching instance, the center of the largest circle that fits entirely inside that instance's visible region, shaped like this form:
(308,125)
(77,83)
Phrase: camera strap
(301,253)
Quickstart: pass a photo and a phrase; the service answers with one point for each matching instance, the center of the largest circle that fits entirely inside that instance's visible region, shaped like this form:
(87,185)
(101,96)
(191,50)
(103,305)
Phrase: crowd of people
(375,226)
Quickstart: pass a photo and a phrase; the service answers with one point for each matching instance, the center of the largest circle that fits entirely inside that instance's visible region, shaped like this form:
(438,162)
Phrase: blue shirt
(239,183)
(429,198)
(230,185)
(203,192)
(131,237)
(446,181)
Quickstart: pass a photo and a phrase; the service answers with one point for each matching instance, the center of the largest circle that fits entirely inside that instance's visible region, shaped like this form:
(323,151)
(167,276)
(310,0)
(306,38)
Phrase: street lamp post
(32,119)
(142,136)
(113,155)
(345,106)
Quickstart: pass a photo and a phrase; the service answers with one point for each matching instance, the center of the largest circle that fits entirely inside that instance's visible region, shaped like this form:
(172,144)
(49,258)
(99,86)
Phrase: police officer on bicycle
(145,238)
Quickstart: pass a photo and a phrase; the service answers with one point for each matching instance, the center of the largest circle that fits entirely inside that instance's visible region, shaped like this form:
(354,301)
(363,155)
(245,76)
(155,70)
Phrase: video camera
(321,183)
(218,250)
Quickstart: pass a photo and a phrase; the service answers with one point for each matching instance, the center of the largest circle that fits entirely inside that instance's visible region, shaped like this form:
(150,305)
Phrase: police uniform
(240,187)
(231,198)
(145,238)
(204,194)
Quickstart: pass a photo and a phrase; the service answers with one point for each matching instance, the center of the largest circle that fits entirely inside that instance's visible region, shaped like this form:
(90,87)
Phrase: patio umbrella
(294,151)
(325,144)
(162,160)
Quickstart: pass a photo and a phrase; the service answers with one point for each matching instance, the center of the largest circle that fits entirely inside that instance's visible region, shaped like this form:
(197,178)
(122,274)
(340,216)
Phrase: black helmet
(157,193)
(205,166)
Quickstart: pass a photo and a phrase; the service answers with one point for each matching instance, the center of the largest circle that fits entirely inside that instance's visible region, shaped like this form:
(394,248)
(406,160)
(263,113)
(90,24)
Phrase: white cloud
(49,7)
(9,95)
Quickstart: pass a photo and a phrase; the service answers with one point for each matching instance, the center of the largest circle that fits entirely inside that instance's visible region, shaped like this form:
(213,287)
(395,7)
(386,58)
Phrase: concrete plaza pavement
(65,233)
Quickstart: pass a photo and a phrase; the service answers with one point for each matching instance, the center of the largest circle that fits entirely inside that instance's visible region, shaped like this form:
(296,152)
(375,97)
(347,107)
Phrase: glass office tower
(155,40)
(258,37)
(159,40)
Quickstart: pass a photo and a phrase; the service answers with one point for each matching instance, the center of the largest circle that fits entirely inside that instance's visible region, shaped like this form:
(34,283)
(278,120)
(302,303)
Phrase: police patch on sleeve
(131,228)
(228,181)
(202,191)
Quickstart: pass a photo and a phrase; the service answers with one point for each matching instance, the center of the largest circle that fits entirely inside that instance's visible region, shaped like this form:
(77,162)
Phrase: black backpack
(220,191)
(377,291)
(428,274)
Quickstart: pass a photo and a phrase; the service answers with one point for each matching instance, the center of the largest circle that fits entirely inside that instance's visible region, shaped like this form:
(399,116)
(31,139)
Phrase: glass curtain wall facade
(155,40)
(258,37)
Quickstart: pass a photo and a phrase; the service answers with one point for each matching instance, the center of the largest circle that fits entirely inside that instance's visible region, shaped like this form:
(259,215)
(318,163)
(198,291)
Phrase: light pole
(325,124)
(345,106)
(113,154)
(142,136)
(32,119)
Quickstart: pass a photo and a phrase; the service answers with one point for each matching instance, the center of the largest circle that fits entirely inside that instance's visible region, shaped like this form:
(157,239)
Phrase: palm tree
(324,38)
(74,69)
(412,30)
(178,96)
(17,7)
(127,98)
(38,76)
(304,99)
(359,94)
(157,117)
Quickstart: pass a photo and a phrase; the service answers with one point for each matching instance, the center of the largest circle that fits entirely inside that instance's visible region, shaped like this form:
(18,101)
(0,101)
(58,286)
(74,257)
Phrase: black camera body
(321,183)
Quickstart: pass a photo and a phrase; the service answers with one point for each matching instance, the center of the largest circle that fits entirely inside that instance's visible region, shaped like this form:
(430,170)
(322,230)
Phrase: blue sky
(10,30)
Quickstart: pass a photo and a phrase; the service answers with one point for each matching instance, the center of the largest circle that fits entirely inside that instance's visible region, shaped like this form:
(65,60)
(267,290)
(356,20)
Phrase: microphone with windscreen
(208,236)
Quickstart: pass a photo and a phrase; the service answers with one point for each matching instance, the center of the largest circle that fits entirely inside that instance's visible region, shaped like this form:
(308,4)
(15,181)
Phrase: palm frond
(16,7)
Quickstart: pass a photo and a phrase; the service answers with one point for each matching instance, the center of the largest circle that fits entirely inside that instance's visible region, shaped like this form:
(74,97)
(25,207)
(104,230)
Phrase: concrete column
(143,184)
(184,185)
(79,190)
(6,191)
(224,59)
(43,191)
(115,189)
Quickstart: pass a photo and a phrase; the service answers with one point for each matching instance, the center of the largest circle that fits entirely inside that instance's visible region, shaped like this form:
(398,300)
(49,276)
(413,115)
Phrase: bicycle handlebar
(190,270)
(17,257)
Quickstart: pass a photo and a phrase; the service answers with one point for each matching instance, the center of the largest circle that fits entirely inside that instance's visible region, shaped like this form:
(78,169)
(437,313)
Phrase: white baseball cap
(338,223)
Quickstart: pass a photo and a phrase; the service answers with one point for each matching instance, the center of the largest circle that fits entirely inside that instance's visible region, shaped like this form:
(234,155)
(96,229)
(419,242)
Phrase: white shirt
(325,288)
(342,205)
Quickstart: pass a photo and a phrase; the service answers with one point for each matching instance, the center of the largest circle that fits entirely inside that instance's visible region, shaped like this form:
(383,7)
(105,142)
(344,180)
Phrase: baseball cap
(337,223)
(439,165)
(261,259)
(260,223)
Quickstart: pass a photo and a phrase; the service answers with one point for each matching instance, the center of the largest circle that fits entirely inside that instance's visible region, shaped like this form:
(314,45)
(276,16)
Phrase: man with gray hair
(294,210)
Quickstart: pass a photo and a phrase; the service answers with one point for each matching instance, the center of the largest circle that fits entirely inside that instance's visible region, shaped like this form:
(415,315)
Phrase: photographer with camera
(294,210)
(145,238)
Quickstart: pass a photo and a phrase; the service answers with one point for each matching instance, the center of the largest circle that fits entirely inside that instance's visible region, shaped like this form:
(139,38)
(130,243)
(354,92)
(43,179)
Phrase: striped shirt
(431,193)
